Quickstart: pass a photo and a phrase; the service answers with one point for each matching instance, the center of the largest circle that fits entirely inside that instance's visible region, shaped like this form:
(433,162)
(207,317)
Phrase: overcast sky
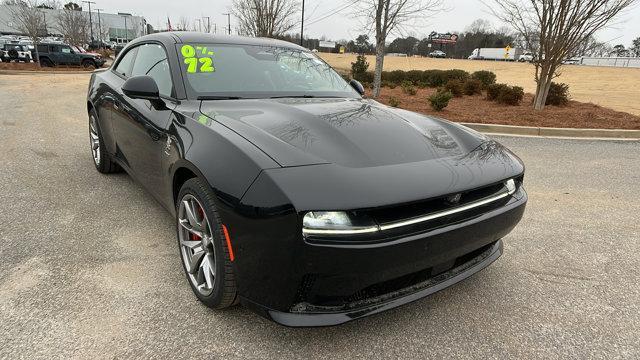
(342,25)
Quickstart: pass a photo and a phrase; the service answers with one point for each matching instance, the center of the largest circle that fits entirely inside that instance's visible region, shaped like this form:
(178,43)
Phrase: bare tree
(388,17)
(479,26)
(73,25)
(265,18)
(30,21)
(554,29)
(183,23)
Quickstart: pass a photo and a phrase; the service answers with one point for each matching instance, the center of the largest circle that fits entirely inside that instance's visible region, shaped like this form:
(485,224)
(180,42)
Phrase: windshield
(252,71)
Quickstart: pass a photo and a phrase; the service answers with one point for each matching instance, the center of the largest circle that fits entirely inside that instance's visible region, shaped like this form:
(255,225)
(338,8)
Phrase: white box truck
(507,54)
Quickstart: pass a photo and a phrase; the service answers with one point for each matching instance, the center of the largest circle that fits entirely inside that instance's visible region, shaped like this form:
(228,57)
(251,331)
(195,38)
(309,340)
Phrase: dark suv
(60,54)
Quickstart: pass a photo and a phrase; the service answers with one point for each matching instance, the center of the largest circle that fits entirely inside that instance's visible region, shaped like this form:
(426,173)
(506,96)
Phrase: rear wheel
(205,255)
(46,62)
(101,159)
(88,64)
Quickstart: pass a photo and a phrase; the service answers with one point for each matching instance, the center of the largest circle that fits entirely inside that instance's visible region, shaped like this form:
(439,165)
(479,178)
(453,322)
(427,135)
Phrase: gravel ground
(90,268)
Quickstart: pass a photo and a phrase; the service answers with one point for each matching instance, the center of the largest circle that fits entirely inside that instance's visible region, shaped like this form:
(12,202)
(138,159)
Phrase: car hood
(355,133)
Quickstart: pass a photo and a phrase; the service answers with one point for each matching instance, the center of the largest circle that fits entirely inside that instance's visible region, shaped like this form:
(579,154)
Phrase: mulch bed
(476,109)
(34,67)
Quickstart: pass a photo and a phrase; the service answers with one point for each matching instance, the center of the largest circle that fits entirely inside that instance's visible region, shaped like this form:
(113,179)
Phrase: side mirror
(141,87)
(357,86)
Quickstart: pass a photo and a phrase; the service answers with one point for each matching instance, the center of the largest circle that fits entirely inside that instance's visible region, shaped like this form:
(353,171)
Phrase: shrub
(456,74)
(365,77)
(359,67)
(505,94)
(472,87)
(485,77)
(415,76)
(558,94)
(395,76)
(455,87)
(387,84)
(408,88)
(494,90)
(434,78)
(440,99)
(511,95)
(394,102)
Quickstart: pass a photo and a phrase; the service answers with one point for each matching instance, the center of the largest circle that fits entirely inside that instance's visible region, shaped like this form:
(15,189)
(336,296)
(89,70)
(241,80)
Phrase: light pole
(228,21)
(126,30)
(302,24)
(90,23)
(208,23)
(99,28)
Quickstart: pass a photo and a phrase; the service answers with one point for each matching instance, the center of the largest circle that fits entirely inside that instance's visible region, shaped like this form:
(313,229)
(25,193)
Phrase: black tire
(89,64)
(104,163)
(46,62)
(225,293)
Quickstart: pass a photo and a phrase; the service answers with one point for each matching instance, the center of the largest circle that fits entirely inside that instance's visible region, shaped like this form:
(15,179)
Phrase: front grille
(407,211)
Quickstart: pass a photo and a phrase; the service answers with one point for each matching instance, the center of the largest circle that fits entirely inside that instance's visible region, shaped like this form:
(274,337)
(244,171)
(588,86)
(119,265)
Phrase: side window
(124,66)
(152,61)
(66,50)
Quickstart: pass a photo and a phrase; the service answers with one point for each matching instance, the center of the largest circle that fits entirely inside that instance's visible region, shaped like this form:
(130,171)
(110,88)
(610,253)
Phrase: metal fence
(611,61)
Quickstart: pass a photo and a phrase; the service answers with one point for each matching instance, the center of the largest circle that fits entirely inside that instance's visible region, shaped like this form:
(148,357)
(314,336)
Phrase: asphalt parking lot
(90,269)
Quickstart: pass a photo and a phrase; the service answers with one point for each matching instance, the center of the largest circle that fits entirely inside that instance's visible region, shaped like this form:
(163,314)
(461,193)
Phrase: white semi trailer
(507,54)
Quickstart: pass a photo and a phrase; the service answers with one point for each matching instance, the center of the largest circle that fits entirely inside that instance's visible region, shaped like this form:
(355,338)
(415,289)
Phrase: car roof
(198,37)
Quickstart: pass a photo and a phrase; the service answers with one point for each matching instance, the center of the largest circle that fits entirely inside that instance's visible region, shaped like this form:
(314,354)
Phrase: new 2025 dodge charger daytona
(292,193)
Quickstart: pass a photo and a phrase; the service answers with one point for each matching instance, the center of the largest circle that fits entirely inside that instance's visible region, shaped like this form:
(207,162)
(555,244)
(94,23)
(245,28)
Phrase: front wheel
(206,256)
(101,159)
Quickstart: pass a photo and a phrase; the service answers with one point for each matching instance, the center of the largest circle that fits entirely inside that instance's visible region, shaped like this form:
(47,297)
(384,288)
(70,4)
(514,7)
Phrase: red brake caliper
(192,236)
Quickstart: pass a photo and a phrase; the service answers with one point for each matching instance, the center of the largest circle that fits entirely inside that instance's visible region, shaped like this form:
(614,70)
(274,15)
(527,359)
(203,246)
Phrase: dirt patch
(476,109)
(34,67)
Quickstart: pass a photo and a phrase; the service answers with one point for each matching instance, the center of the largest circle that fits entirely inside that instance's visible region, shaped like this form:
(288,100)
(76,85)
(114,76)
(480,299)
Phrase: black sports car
(292,193)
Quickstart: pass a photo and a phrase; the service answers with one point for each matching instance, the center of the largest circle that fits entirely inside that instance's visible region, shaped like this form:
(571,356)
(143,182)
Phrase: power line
(332,12)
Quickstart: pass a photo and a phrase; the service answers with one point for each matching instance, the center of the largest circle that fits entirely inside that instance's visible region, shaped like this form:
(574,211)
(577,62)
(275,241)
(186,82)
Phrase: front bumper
(307,284)
(325,317)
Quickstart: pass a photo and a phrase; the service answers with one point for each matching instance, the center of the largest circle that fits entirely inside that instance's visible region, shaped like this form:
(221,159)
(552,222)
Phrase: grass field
(616,88)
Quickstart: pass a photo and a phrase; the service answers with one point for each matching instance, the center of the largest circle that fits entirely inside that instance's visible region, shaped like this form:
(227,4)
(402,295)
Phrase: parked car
(61,54)
(291,193)
(96,44)
(437,54)
(572,61)
(15,52)
(526,56)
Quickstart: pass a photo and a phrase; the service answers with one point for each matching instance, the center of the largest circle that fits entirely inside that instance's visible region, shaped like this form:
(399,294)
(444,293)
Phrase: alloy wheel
(94,139)
(196,244)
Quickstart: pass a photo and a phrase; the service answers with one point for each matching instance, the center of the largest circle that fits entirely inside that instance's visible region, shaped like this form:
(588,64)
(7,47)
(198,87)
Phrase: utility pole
(126,30)
(302,25)
(208,28)
(228,21)
(90,23)
(99,28)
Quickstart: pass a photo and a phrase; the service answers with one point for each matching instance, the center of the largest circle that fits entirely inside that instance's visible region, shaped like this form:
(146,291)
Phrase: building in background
(110,28)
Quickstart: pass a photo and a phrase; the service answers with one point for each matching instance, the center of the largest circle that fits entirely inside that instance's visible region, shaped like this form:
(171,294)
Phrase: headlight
(337,223)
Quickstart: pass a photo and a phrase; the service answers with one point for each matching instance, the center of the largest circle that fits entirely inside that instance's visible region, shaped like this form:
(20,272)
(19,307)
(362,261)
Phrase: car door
(140,125)
(67,57)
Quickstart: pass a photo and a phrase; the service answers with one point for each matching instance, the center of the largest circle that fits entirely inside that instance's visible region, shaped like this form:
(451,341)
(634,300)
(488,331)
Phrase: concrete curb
(36,72)
(555,132)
